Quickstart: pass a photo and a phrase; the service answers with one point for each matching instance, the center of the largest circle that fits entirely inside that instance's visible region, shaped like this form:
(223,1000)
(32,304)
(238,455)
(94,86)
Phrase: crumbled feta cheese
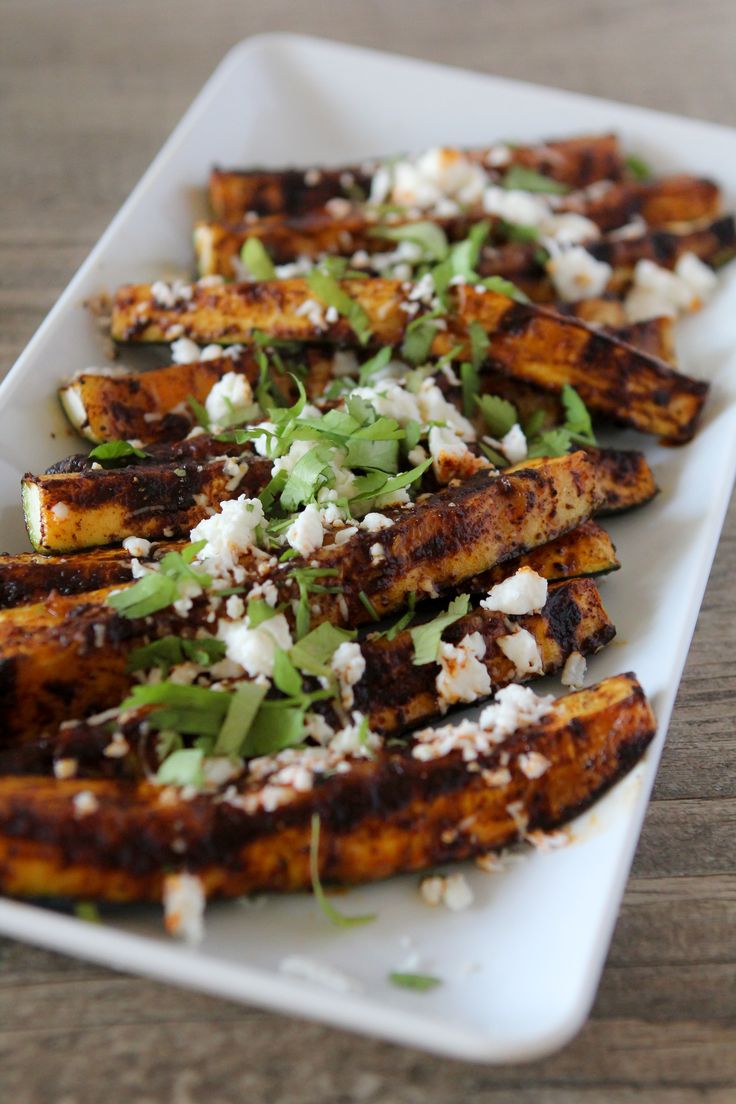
(513,444)
(451,457)
(348,663)
(423,182)
(514,708)
(321,973)
(573,673)
(118,747)
(184,902)
(570,229)
(452,890)
(185,351)
(235,607)
(305,533)
(350,740)
(515,206)
(137,546)
(85,803)
(342,536)
(533,764)
(657,292)
(65,768)
(229,399)
(576,274)
(314,313)
(463,678)
(434,407)
(168,295)
(61,511)
(523,592)
(374,523)
(254,649)
(229,533)
(523,651)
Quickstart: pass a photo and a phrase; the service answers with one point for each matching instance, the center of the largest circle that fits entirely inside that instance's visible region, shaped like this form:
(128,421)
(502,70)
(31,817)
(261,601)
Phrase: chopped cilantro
(638,168)
(479,343)
(256,260)
(333,915)
(372,611)
(522,179)
(471,387)
(499,414)
(430,237)
(427,637)
(421,983)
(504,287)
(114,453)
(370,367)
(241,713)
(418,337)
(182,768)
(313,652)
(170,650)
(329,292)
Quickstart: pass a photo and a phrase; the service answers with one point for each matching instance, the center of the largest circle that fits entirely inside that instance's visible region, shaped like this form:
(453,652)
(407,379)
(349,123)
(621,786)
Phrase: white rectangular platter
(521,966)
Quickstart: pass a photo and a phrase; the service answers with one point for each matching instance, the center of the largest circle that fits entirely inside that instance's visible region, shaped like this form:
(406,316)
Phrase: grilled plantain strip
(67,657)
(234,193)
(393,693)
(389,815)
(528,342)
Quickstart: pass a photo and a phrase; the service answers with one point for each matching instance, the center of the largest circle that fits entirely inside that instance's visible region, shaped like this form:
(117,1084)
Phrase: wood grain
(89,91)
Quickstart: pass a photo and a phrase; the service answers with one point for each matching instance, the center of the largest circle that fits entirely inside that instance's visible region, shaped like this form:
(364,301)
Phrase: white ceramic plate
(521,966)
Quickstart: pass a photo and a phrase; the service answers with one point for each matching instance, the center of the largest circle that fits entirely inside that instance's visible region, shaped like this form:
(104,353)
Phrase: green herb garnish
(171,650)
(329,292)
(522,179)
(256,260)
(427,638)
(333,915)
(114,453)
(427,235)
(421,983)
(638,168)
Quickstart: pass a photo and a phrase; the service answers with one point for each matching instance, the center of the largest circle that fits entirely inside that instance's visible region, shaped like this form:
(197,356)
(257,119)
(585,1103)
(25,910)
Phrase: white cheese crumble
(321,973)
(657,292)
(437,175)
(85,803)
(137,546)
(576,274)
(184,902)
(517,207)
(533,764)
(61,511)
(185,351)
(463,678)
(573,673)
(451,457)
(305,533)
(229,399)
(523,651)
(513,444)
(451,890)
(523,592)
(65,768)
(229,533)
(514,708)
(348,663)
(168,295)
(374,522)
(255,649)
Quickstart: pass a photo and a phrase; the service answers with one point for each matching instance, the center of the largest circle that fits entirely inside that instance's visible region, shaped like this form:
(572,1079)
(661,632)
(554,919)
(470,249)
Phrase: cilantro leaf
(504,287)
(285,675)
(182,768)
(428,235)
(518,177)
(256,260)
(313,652)
(114,453)
(370,367)
(577,418)
(329,292)
(418,338)
(426,638)
(277,725)
(638,168)
(419,982)
(171,650)
(241,713)
(499,414)
(480,343)
(333,915)
(189,710)
(471,386)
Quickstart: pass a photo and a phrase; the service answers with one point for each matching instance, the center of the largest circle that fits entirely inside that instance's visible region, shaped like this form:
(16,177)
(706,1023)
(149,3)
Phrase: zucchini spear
(30,577)
(383,816)
(69,511)
(528,343)
(234,193)
(67,657)
(393,692)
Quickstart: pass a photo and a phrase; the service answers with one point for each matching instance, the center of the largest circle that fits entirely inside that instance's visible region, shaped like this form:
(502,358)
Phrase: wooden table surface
(88,91)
